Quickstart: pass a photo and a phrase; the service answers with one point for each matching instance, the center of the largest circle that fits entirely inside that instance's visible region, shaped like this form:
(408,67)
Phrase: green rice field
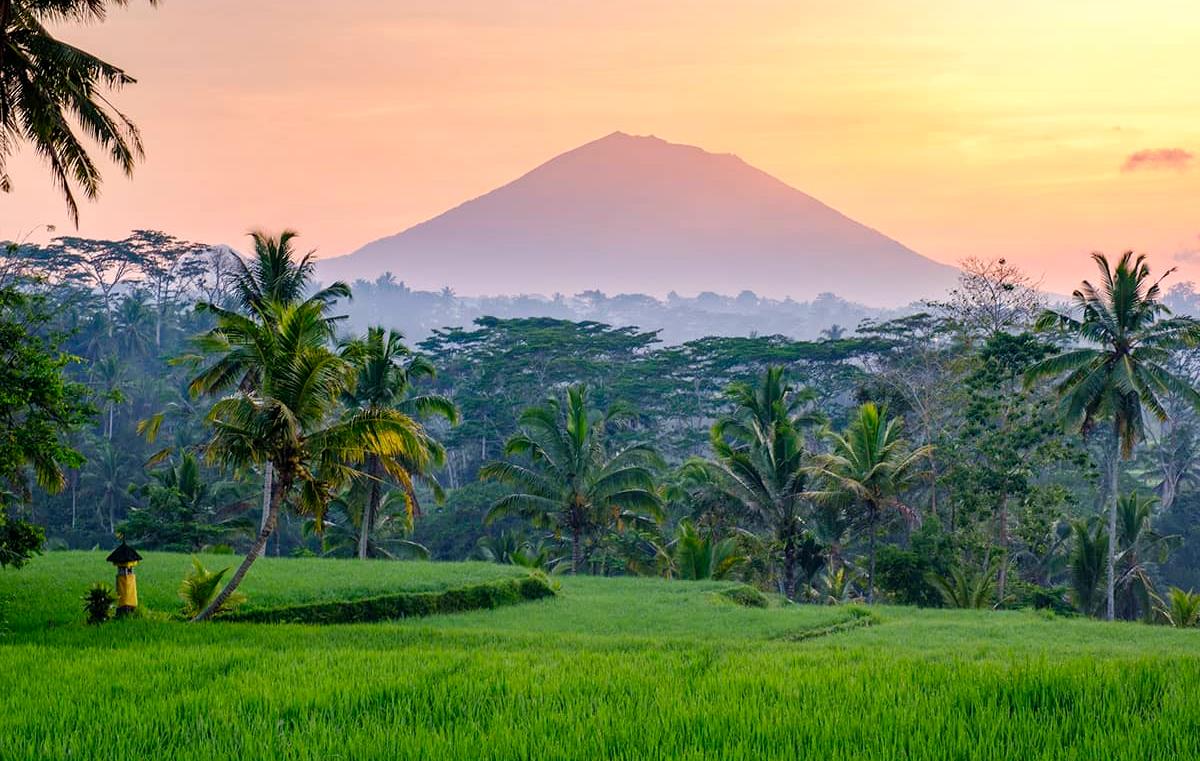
(611,668)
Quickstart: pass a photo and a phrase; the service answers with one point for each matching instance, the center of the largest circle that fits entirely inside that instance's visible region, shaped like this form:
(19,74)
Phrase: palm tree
(386,369)
(134,325)
(966,587)
(276,275)
(108,378)
(284,418)
(273,277)
(340,534)
(1181,609)
(513,548)
(51,91)
(1139,545)
(1087,564)
(696,555)
(573,484)
(1117,368)
(872,465)
(183,511)
(108,473)
(760,460)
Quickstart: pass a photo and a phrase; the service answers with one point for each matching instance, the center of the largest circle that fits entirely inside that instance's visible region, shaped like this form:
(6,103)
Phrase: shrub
(491,594)
(1181,609)
(200,586)
(904,576)
(966,587)
(19,541)
(1022,594)
(98,603)
(746,596)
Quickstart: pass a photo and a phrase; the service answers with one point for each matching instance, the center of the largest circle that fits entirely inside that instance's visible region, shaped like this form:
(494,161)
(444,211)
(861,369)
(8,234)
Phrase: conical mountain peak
(631,213)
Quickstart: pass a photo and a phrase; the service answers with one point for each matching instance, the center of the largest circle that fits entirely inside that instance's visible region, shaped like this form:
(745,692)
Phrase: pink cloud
(1158,158)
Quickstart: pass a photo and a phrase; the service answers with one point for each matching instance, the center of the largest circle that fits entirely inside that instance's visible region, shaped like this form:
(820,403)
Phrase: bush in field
(200,586)
(1180,609)
(746,596)
(697,555)
(838,586)
(966,587)
(1023,594)
(903,575)
(98,603)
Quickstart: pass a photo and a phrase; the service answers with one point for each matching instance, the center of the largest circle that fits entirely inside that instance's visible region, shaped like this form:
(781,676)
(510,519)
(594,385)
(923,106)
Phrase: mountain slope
(638,214)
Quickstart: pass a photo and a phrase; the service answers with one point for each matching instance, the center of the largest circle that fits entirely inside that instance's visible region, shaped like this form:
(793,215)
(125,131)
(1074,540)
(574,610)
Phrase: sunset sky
(1032,130)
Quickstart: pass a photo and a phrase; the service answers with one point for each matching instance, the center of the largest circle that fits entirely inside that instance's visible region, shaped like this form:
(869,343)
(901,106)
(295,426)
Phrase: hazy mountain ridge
(417,313)
(624,214)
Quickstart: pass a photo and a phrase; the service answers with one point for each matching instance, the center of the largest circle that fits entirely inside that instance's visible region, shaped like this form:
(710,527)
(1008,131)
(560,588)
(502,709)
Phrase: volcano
(634,214)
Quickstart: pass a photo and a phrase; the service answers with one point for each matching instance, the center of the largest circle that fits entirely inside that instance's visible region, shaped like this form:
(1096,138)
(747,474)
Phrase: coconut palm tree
(1139,547)
(965,587)
(573,483)
(386,370)
(109,471)
(284,419)
(1181,609)
(696,555)
(51,92)
(871,466)
(341,532)
(1116,367)
(271,278)
(1087,564)
(275,274)
(760,460)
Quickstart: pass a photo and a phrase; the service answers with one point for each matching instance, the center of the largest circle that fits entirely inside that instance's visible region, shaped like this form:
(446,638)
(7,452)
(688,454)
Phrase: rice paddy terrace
(618,668)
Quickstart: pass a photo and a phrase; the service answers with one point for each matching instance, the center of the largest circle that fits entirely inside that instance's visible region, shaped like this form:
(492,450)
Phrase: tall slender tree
(285,418)
(761,459)
(871,465)
(386,371)
(1120,337)
(574,484)
(273,277)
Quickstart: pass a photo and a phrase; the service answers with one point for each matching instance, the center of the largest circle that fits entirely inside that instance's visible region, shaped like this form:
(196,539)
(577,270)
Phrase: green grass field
(611,668)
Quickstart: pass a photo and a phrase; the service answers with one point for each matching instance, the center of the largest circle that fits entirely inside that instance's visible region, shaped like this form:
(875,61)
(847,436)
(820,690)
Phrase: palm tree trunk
(268,473)
(74,496)
(260,546)
(576,552)
(1114,476)
(871,567)
(1002,576)
(372,508)
(789,567)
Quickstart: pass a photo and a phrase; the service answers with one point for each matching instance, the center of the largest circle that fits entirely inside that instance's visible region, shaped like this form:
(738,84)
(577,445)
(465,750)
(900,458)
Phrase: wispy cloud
(1158,158)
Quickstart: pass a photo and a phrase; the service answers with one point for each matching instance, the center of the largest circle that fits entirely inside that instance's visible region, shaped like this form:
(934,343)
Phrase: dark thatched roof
(123,554)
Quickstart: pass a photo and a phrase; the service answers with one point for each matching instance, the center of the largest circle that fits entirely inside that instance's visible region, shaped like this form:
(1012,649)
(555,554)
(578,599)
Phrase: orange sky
(957,127)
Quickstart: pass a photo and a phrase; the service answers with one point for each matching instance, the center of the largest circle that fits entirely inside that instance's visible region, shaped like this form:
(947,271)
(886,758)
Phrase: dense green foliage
(760,459)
